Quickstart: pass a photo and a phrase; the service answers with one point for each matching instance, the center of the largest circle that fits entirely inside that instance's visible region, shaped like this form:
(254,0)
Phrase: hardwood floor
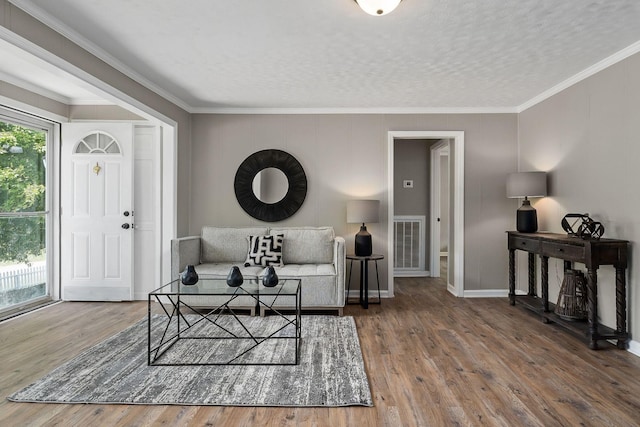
(432,360)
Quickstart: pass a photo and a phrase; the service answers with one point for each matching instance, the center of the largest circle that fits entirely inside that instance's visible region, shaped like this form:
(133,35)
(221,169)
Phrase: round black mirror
(248,197)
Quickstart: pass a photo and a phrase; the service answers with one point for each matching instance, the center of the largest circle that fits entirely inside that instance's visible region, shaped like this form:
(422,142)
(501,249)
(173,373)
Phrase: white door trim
(436,151)
(457,189)
(148,218)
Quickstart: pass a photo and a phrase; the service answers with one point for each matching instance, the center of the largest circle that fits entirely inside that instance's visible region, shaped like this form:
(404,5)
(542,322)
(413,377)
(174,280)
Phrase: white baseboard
(491,293)
(634,348)
(486,293)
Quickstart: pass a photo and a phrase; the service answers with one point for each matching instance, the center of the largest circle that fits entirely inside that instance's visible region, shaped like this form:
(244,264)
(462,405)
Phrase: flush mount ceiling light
(378,7)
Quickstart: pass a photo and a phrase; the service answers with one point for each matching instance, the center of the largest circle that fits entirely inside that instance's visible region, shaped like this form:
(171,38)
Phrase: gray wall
(587,138)
(412,161)
(344,157)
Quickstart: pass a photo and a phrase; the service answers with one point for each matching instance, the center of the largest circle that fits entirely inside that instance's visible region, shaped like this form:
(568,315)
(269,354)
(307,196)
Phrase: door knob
(126,226)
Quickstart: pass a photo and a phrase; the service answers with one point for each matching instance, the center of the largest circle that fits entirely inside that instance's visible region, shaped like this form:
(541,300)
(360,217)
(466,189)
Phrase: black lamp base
(526,218)
(364,246)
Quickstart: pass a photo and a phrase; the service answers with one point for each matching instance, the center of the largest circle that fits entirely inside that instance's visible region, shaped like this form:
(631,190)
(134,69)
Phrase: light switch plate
(407,183)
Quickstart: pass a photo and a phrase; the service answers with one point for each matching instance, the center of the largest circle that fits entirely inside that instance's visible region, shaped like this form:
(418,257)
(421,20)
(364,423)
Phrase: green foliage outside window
(22,189)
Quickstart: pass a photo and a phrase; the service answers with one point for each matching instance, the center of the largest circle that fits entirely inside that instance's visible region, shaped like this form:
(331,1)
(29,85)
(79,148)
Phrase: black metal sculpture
(581,225)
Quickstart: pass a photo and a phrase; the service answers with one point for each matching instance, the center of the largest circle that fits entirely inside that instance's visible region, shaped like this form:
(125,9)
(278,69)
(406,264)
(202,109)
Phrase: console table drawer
(528,245)
(566,252)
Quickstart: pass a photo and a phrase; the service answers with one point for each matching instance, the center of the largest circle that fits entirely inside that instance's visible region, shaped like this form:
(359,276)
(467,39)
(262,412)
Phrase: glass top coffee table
(179,334)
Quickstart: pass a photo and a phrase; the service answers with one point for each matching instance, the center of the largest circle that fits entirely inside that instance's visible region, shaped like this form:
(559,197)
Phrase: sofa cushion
(221,270)
(306,245)
(296,271)
(264,250)
(318,282)
(230,244)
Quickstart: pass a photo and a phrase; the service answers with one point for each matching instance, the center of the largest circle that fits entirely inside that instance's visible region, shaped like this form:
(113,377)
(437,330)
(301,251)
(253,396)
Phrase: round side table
(364,277)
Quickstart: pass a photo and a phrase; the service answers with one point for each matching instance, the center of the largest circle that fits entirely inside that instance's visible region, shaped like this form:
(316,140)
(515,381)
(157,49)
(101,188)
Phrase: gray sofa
(313,254)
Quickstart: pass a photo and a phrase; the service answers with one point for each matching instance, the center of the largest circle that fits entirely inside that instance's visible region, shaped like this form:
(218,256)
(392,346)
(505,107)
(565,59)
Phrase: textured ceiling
(328,54)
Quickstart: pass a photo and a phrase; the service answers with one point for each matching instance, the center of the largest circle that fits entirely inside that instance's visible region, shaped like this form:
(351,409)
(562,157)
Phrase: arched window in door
(97,143)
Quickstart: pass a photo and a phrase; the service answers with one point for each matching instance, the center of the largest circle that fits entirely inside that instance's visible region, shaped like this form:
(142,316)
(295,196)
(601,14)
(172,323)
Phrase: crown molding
(364,110)
(582,75)
(56,25)
(30,8)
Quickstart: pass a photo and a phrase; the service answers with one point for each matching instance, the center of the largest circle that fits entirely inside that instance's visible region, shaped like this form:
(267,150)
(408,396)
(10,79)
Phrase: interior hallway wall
(344,157)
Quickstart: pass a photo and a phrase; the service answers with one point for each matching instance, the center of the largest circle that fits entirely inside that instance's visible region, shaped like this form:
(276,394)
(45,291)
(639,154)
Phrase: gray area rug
(330,373)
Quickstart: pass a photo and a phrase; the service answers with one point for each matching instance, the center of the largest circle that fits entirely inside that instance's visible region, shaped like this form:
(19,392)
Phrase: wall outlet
(407,183)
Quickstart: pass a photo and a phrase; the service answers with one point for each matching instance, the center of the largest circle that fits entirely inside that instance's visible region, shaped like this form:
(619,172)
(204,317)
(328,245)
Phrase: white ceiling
(328,54)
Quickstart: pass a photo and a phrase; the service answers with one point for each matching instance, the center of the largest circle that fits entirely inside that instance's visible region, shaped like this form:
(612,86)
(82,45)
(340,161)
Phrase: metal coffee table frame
(174,293)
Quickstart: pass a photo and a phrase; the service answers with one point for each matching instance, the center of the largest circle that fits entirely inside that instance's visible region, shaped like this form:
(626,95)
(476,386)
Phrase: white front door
(97,211)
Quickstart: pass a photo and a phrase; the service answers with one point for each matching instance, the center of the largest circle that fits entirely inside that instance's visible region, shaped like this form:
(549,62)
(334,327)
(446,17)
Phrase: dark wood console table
(592,253)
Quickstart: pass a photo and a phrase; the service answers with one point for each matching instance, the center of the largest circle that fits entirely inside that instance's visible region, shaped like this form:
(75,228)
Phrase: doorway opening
(455,248)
